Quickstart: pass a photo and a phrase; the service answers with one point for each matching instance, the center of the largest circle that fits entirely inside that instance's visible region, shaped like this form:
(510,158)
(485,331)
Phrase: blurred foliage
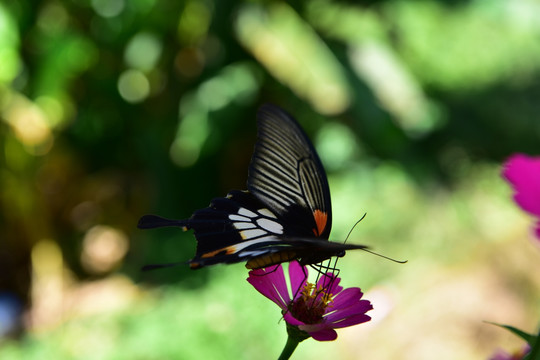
(110,109)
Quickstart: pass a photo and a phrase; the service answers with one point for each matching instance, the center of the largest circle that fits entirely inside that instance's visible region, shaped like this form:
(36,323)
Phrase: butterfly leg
(329,272)
(298,290)
(268,272)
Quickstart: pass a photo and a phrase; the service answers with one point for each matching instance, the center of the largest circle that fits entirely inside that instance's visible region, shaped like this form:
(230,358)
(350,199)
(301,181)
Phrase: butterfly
(285,214)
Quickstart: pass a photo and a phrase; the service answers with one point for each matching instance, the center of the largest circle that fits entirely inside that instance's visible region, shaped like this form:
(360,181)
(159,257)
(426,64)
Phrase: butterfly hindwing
(240,228)
(230,227)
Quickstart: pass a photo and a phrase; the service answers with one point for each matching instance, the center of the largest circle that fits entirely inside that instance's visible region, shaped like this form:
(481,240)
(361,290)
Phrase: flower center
(311,305)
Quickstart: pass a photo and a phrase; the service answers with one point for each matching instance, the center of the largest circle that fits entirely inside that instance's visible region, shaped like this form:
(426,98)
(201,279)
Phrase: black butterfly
(284,215)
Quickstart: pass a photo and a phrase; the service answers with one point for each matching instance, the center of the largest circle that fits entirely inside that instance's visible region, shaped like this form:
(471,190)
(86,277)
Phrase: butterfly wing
(240,228)
(287,175)
(232,229)
(284,215)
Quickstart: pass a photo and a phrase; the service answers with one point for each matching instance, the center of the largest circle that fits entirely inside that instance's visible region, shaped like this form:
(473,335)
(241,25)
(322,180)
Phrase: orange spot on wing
(225,251)
(320,219)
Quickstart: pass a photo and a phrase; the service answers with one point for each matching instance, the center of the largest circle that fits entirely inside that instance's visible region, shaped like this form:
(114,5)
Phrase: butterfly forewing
(287,175)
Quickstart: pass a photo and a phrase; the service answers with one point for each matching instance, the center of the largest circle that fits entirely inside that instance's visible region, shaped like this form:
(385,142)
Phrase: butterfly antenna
(356,223)
(369,251)
(386,257)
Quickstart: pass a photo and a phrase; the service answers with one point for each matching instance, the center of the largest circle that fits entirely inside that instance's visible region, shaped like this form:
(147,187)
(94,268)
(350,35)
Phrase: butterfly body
(284,215)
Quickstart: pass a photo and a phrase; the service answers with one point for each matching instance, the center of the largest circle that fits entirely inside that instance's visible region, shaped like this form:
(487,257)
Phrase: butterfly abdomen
(270,259)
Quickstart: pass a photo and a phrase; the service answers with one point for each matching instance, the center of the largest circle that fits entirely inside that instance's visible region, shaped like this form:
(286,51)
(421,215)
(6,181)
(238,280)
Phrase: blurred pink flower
(518,355)
(523,172)
(315,310)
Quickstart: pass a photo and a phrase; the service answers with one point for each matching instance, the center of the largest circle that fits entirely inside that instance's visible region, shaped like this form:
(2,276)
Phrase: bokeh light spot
(28,122)
(46,257)
(184,151)
(396,89)
(53,108)
(10,308)
(290,50)
(108,8)
(133,86)
(214,93)
(192,133)
(47,283)
(336,145)
(9,42)
(194,22)
(103,248)
(10,64)
(143,51)
(243,79)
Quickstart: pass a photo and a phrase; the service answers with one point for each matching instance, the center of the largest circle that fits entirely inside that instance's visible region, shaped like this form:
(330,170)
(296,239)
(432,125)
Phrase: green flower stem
(289,348)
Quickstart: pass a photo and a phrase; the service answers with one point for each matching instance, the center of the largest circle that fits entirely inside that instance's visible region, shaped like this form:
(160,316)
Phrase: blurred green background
(111,109)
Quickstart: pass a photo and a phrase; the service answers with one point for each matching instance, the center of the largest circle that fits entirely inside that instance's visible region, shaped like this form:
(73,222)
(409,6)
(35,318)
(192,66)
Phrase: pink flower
(523,172)
(315,310)
(518,355)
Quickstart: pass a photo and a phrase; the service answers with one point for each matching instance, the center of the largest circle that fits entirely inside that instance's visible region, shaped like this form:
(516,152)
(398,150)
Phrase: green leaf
(534,354)
(529,338)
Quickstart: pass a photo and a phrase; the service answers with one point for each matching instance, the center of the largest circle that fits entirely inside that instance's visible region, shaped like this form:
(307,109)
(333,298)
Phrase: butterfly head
(319,256)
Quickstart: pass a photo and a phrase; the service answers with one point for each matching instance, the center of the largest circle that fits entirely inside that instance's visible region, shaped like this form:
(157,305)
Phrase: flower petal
(347,298)
(351,320)
(330,283)
(359,308)
(271,283)
(291,319)
(324,334)
(346,309)
(298,275)
(523,172)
